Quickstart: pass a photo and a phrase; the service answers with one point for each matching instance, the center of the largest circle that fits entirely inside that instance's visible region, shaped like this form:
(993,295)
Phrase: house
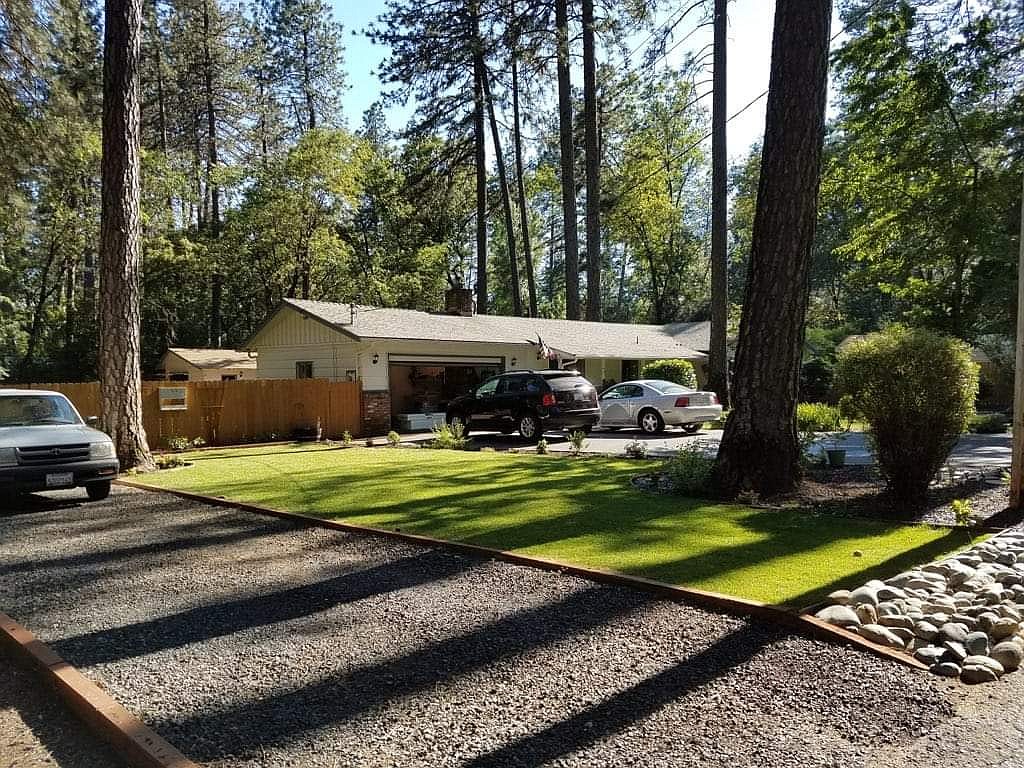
(411,362)
(182,364)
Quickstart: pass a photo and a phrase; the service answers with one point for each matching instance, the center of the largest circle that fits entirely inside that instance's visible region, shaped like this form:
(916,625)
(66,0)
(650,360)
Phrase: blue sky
(749,52)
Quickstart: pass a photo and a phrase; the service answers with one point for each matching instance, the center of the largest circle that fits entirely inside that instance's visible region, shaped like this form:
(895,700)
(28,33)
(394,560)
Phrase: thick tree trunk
(759,449)
(517,140)
(568,160)
(120,314)
(481,166)
(718,359)
(506,204)
(592,152)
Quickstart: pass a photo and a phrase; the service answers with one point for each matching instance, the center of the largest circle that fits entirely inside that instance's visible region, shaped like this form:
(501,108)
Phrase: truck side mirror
(92,421)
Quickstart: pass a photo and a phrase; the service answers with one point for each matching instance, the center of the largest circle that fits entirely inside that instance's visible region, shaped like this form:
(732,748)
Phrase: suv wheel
(98,491)
(651,422)
(529,427)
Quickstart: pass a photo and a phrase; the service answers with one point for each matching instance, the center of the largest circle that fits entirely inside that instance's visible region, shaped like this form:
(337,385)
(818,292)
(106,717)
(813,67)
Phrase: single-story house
(183,364)
(411,362)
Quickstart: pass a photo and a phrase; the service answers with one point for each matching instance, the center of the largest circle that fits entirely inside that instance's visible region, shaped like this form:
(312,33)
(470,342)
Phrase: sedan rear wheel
(529,427)
(651,422)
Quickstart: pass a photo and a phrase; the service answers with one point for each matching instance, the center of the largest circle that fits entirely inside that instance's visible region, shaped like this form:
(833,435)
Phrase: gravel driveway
(247,641)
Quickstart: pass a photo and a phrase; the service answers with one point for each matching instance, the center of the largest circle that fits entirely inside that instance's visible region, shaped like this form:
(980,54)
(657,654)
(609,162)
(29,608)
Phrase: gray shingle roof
(577,337)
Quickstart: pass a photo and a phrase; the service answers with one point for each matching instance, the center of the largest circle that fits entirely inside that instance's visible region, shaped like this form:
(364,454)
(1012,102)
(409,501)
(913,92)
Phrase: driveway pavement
(974,453)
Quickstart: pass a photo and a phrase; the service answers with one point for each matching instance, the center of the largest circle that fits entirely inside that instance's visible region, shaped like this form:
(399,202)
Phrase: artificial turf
(584,511)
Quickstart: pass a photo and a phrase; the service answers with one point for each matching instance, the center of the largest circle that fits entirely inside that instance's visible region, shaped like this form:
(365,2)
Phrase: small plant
(636,449)
(198,442)
(177,443)
(750,498)
(818,417)
(394,439)
(689,470)
(962,512)
(577,441)
(369,442)
(169,462)
(346,438)
(542,447)
(1005,477)
(450,436)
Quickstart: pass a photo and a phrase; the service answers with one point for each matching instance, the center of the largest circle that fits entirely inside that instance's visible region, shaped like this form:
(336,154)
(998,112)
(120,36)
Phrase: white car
(653,404)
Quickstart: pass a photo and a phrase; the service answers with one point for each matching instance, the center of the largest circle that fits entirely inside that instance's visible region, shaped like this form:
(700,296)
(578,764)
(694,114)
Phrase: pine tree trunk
(120,314)
(568,158)
(718,359)
(217,280)
(592,153)
(506,204)
(759,449)
(480,159)
(517,140)
(307,80)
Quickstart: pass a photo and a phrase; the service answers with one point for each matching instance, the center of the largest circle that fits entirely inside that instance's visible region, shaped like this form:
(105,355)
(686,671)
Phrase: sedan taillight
(714,400)
(548,399)
(682,402)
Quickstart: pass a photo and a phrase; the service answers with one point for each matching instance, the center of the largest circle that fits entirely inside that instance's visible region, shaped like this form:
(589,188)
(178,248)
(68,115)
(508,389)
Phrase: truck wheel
(650,422)
(98,491)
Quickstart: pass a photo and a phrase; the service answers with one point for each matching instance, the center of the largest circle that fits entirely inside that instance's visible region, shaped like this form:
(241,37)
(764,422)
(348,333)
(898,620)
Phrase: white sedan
(652,404)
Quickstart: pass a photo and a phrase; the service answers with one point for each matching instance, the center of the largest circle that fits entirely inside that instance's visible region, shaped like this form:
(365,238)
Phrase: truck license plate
(60,479)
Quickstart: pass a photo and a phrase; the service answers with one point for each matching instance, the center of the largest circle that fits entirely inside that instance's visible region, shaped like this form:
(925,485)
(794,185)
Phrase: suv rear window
(564,382)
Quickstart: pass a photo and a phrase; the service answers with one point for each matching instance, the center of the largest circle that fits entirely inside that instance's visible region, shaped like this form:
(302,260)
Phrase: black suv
(529,402)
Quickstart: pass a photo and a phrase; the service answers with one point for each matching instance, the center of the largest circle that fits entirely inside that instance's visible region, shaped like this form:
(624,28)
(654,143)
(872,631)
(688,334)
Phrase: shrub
(816,378)
(988,424)
(542,447)
(578,441)
(689,470)
(962,512)
(177,443)
(169,462)
(818,417)
(346,438)
(676,371)
(394,439)
(198,442)
(450,436)
(636,449)
(916,390)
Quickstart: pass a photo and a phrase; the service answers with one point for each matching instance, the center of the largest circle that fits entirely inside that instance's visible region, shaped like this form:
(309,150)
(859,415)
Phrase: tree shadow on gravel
(630,706)
(284,717)
(225,618)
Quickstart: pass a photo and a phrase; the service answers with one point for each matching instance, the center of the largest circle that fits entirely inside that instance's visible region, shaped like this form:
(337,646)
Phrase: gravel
(247,641)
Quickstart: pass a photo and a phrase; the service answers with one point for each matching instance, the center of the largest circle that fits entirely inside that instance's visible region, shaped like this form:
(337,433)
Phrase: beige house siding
(174,365)
(330,361)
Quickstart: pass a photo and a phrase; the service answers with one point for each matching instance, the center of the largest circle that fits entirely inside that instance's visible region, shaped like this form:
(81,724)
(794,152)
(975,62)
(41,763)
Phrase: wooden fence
(233,412)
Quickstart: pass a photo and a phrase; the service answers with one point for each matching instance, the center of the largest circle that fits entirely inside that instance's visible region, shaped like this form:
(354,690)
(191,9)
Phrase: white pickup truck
(45,445)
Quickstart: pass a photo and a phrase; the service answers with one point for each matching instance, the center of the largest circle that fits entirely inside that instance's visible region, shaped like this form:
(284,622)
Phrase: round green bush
(677,371)
(916,389)
(818,417)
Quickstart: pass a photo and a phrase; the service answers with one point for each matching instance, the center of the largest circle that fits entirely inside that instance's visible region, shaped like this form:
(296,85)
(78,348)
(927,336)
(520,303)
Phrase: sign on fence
(173,398)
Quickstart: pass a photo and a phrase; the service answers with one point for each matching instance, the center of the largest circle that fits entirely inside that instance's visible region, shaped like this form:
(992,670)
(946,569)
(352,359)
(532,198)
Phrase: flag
(544,351)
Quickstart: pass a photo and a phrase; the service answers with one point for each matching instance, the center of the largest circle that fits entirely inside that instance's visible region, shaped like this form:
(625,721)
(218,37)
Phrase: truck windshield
(36,410)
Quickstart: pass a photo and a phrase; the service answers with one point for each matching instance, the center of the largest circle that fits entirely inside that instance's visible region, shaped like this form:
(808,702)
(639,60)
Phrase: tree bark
(760,450)
(307,79)
(216,281)
(1017,462)
(120,292)
(568,158)
(517,140)
(506,203)
(481,164)
(718,359)
(592,153)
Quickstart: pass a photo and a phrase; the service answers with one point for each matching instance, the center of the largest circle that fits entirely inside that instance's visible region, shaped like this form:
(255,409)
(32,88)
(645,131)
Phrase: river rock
(984,661)
(880,635)
(864,595)
(1003,628)
(889,592)
(946,669)
(840,615)
(930,654)
(954,651)
(976,643)
(1008,654)
(951,631)
(925,630)
(867,613)
(897,620)
(840,597)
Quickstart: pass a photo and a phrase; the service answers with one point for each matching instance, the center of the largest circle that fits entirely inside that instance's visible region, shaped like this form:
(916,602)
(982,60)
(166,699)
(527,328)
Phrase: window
(229,377)
(351,375)
(36,410)
(488,388)
(304,369)
(623,392)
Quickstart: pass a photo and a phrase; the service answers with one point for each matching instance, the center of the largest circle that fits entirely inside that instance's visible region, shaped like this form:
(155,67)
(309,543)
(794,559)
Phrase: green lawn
(580,511)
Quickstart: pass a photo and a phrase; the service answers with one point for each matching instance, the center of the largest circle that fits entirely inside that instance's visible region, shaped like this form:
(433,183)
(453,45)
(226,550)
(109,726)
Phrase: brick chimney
(458,301)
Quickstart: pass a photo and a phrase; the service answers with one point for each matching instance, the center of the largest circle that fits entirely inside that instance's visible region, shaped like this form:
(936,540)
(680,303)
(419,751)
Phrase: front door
(619,405)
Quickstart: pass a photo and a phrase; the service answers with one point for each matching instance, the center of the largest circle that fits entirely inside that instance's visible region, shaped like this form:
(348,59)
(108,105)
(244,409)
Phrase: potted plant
(834,446)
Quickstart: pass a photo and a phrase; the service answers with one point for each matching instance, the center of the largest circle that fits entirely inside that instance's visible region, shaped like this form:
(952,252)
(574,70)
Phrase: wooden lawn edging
(133,740)
(795,620)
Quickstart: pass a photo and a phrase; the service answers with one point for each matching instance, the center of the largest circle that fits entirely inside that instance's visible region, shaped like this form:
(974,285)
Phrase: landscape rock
(925,630)
(976,674)
(1003,628)
(952,631)
(946,669)
(930,654)
(863,595)
(876,633)
(840,597)
(840,615)
(1008,654)
(976,643)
